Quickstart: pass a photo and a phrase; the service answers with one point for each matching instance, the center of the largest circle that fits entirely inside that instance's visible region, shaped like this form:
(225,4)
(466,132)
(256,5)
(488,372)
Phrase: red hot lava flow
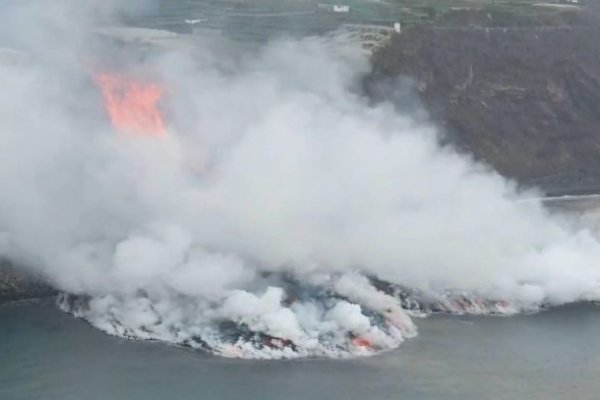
(132,105)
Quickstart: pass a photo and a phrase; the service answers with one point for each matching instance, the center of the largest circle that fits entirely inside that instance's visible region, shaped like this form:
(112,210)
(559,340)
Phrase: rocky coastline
(16,284)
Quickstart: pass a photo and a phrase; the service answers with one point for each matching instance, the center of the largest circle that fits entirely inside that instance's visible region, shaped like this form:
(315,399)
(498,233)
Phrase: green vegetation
(261,19)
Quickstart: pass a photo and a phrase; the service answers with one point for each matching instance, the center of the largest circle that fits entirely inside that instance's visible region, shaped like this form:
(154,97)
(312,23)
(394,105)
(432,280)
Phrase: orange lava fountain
(132,105)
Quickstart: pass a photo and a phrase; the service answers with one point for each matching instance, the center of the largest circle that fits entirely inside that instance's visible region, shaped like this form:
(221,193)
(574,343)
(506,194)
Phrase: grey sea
(550,355)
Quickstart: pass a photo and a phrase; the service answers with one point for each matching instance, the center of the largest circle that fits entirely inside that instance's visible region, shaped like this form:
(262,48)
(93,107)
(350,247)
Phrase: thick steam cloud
(280,215)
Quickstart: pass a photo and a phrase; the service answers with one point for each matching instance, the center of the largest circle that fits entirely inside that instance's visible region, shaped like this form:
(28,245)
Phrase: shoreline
(17,285)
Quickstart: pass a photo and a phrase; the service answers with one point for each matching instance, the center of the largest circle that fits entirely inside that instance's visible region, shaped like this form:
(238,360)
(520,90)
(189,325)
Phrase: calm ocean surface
(552,355)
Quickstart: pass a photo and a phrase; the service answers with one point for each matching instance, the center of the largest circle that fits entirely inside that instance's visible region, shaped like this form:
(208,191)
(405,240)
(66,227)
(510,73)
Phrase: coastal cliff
(15,284)
(522,96)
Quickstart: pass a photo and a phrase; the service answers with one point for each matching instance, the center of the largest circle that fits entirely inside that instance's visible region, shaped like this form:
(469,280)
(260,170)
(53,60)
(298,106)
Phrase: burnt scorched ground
(524,99)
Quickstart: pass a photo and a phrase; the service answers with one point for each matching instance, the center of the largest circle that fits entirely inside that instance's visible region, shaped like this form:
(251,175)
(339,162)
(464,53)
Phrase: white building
(341,8)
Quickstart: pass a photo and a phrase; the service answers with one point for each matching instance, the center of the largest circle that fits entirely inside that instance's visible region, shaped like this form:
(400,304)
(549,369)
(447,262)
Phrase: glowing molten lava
(132,105)
(362,342)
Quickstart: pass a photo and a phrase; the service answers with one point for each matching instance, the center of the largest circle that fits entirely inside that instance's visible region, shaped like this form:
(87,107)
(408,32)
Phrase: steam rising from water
(250,228)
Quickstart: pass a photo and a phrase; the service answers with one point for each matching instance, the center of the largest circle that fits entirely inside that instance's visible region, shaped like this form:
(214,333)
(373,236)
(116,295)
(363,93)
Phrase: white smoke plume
(273,166)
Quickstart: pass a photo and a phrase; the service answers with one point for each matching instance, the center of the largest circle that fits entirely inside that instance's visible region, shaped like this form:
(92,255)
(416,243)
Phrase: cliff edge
(520,95)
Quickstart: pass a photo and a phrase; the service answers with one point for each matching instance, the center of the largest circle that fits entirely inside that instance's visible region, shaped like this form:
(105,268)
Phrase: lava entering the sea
(132,105)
